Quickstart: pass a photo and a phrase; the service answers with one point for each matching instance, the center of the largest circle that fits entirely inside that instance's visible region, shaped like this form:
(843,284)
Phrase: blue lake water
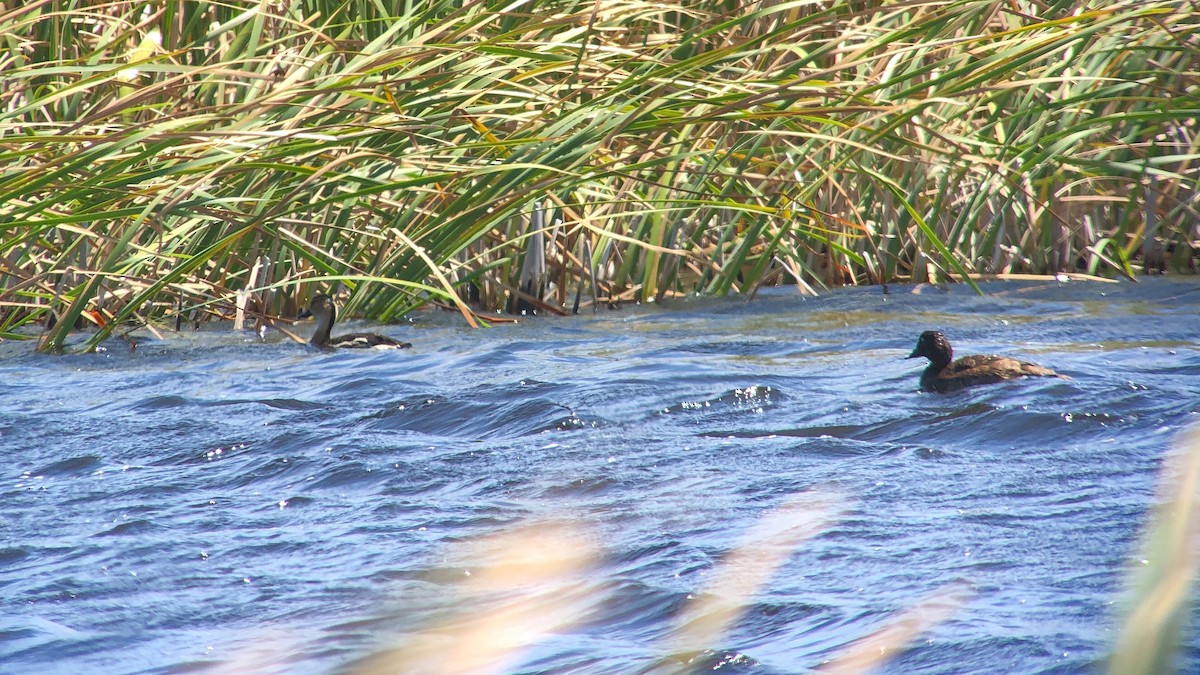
(214,501)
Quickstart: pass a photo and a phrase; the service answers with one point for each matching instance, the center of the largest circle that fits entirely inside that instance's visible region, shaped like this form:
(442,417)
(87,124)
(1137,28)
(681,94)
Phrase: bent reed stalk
(154,154)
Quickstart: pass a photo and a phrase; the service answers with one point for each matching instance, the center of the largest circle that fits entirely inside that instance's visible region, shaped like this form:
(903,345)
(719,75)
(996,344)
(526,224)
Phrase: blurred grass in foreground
(1152,621)
(1161,580)
(158,158)
(498,596)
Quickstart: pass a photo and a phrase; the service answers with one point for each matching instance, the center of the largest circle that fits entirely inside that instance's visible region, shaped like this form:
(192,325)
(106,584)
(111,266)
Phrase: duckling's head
(934,346)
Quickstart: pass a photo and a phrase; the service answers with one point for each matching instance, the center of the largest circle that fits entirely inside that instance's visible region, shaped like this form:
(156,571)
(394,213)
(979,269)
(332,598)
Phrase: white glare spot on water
(133,574)
(246,580)
(611,460)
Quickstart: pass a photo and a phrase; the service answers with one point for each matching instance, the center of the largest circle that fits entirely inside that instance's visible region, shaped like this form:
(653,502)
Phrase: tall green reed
(155,153)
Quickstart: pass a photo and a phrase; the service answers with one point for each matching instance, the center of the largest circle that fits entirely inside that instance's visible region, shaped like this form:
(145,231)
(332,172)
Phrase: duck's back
(982,369)
(365,341)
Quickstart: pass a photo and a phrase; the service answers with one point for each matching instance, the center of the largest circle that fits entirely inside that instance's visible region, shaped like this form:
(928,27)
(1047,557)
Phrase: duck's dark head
(934,346)
(321,308)
(321,305)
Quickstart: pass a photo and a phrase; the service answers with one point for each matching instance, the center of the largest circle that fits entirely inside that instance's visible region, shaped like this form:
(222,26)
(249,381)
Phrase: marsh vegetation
(159,159)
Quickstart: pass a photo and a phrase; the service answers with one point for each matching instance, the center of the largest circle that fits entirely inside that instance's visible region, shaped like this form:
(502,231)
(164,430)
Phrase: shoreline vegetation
(175,162)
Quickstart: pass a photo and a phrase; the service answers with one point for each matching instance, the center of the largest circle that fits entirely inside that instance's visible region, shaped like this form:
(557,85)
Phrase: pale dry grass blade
(1162,578)
(874,650)
(523,585)
(746,570)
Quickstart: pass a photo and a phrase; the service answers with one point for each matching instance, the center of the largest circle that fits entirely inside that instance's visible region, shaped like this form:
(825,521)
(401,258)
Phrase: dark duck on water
(321,308)
(945,375)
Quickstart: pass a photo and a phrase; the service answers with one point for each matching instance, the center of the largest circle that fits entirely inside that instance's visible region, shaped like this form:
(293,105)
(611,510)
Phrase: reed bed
(168,161)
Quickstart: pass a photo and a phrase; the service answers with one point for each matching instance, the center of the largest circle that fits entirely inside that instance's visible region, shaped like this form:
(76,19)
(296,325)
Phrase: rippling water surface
(214,501)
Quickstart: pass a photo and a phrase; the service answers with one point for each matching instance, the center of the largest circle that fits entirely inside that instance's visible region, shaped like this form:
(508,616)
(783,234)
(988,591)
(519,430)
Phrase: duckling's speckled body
(946,375)
(321,308)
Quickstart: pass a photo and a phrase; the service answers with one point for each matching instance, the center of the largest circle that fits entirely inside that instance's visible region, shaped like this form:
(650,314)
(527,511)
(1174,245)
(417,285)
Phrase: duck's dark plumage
(321,308)
(945,374)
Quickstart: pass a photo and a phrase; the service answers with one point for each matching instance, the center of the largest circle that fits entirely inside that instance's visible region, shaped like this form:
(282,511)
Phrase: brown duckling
(945,375)
(323,310)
